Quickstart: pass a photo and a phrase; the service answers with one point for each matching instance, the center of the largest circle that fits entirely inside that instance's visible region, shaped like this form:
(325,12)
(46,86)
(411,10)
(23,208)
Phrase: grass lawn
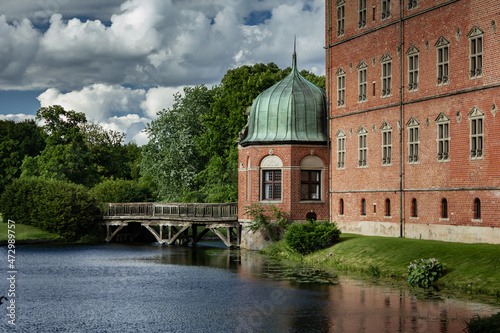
(470,267)
(27,233)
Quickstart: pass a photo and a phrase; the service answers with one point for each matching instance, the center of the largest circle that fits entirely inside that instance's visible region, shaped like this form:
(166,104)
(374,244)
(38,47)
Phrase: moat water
(208,288)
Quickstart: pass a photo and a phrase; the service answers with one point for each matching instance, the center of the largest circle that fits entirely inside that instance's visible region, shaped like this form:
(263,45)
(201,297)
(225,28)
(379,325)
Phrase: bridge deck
(178,218)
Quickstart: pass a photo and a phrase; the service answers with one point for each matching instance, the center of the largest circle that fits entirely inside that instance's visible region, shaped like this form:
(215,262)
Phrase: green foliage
(424,273)
(120,190)
(66,156)
(51,205)
(311,236)
(172,158)
(270,218)
(479,324)
(17,141)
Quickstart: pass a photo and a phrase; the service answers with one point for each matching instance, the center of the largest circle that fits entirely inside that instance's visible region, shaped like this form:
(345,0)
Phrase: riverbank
(26,234)
(471,268)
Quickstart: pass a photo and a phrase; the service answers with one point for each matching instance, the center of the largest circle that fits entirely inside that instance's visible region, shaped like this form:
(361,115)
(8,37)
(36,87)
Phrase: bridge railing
(198,210)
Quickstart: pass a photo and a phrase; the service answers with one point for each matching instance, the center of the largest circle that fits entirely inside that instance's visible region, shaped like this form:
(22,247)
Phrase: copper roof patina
(291,111)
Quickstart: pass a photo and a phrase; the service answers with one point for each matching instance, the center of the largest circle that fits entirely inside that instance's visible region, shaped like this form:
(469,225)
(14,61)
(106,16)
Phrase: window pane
(304,176)
(315,192)
(304,192)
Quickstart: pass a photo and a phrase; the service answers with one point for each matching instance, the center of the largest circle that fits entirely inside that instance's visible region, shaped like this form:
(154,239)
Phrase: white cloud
(158,43)
(98,101)
(16,117)
(159,98)
(132,125)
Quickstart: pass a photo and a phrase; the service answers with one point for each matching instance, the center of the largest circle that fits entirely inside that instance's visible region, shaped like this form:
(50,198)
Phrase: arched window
(310,178)
(363,206)
(341,207)
(311,216)
(477,209)
(387,207)
(271,178)
(414,208)
(444,208)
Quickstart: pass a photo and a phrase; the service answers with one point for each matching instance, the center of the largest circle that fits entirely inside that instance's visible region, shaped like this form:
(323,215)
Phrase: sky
(122,61)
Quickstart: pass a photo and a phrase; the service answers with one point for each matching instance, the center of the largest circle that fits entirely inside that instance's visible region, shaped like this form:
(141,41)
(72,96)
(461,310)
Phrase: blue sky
(121,61)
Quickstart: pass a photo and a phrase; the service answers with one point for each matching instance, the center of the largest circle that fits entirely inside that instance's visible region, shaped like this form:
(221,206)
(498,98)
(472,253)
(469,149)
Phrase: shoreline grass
(28,234)
(470,268)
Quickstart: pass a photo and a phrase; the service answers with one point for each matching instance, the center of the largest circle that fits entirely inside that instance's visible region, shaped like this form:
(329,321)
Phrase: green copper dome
(291,111)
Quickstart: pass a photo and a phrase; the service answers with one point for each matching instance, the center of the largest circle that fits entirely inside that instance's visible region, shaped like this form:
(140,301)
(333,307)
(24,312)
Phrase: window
(340,17)
(414,208)
(362,147)
(386,131)
(386,9)
(476,118)
(340,150)
(340,87)
(476,52)
(272,185)
(443,137)
(412,4)
(387,207)
(310,185)
(477,209)
(442,61)
(361,13)
(412,68)
(386,62)
(444,208)
(341,207)
(362,78)
(413,140)
(311,216)
(363,207)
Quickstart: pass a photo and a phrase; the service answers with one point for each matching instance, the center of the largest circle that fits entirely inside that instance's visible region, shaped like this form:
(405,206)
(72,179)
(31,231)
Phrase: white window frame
(362,81)
(362,147)
(413,68)
(340,18)
(362,12)
(475,52)
(443,138)
(443,61)
(386,64)
(476,119)
(340,87)
(386,133)
(341,149)
(413,127)
(386,9)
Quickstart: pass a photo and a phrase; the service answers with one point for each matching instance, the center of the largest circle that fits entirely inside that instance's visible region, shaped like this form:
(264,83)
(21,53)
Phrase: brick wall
(460,180)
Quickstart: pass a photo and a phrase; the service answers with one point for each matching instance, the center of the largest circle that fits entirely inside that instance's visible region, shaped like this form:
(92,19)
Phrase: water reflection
(123,288)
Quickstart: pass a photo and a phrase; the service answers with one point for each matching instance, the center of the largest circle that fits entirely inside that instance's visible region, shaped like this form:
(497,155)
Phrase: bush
(311,236)
(51,205)
(423,273)
(120,190)
(479,324)
(270,218)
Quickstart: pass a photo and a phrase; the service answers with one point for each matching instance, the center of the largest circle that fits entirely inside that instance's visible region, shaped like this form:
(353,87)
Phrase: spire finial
(294,59)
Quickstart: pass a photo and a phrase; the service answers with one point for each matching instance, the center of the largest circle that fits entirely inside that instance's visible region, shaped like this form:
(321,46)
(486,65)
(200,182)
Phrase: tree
(172,157)
(238,88)
(18,140)
(66,155)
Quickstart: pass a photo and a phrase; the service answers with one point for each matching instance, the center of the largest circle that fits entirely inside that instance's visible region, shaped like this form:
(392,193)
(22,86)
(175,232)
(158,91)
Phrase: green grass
(469,267)
(28,233)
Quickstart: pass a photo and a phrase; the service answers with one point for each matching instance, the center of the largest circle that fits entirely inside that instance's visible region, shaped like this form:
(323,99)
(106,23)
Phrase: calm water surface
(148,288)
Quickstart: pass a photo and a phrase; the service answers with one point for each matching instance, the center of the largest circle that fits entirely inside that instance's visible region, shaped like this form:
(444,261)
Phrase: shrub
(120,190)
(423,273)
(269,217)
(479,324)
(51,205)
(311,236)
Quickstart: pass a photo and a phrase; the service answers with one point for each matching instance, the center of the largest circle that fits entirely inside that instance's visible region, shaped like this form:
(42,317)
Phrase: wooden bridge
(173,223)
